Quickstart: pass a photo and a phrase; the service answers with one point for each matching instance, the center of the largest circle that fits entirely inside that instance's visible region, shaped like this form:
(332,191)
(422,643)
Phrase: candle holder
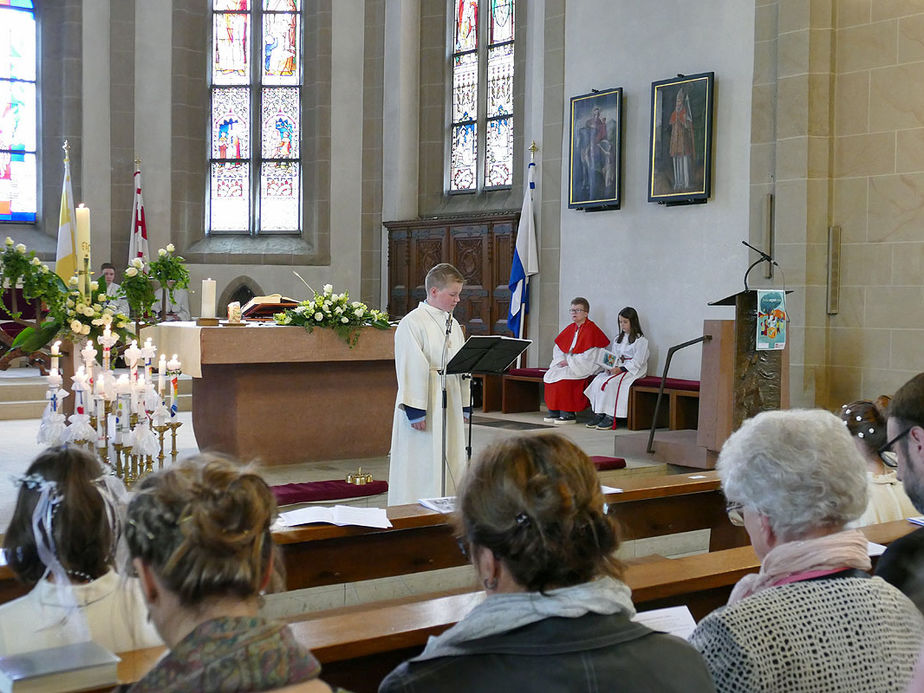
(161,429)
(130,468)
(148,465)
(118,460)
(173,425)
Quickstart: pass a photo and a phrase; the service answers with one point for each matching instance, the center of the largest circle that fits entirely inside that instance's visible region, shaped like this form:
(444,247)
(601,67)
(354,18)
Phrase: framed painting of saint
(680,160)
(595,178)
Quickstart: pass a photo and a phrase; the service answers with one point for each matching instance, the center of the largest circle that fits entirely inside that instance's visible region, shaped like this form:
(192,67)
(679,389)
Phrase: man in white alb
(416,435)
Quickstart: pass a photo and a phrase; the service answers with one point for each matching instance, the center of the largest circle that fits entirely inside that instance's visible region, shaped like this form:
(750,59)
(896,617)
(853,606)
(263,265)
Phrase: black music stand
(483,355)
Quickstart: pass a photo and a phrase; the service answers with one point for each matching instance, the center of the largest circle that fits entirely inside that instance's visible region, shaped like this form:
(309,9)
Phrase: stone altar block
(281,395)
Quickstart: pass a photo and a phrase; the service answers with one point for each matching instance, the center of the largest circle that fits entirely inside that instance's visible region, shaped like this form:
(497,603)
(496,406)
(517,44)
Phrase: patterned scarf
(800,560)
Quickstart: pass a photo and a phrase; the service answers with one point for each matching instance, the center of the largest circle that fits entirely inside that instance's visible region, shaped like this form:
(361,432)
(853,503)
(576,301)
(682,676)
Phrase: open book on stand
(263,307)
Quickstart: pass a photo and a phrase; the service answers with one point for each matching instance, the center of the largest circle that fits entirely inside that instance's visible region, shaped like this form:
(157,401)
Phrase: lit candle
(208,298)
(55,355)
(148,351)
(173,366)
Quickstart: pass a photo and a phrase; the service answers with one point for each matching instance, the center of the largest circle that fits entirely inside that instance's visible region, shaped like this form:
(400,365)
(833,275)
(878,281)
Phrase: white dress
(416,456)
(887,501)
(114,610)
(609,394)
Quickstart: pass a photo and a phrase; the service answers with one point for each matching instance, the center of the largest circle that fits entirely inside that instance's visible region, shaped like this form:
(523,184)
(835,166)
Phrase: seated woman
(812,619)
(62,541)
(199,537)
(609,391)
(888,501)
(556,616)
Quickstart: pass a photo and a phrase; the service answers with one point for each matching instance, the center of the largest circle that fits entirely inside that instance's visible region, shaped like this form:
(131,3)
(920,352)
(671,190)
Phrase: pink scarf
(803,560)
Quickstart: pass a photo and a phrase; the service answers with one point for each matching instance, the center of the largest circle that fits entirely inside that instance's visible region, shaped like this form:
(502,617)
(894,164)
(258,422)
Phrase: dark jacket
(566,655)
(902,565)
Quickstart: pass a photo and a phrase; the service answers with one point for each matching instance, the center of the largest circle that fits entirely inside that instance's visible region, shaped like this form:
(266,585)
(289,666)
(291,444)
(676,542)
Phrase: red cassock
(567,393)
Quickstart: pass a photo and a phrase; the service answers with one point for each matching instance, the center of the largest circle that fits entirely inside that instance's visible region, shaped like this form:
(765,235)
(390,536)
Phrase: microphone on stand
(761,253)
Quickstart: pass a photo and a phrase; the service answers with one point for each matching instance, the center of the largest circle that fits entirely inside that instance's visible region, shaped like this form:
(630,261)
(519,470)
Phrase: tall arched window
(481,111)
(255,172)
(18,112)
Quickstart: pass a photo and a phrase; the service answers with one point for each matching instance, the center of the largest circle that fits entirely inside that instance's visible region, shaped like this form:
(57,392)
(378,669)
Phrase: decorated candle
(208,298)
(82,244)
(161,372)
(132,354)
(148,351)
(55,355)
(173,368)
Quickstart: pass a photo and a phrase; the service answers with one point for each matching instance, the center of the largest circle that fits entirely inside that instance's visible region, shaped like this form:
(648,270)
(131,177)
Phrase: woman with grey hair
(812,619)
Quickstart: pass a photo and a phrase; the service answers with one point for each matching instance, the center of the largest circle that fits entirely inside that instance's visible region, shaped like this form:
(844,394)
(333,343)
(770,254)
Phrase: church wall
(667,262)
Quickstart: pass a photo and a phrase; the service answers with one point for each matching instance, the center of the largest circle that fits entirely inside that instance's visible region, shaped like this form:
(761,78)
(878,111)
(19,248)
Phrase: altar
(280,395)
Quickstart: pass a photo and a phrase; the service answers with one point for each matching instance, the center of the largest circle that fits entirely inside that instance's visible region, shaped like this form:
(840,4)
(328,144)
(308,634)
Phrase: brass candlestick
(173,425)
(118,460)
(161,429)
(130,468)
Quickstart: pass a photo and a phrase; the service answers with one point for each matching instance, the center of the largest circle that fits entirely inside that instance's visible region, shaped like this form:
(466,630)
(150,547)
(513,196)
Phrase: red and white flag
(138,240)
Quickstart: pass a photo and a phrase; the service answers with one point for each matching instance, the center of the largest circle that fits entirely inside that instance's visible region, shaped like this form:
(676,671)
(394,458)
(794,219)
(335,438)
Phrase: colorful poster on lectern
(771,319)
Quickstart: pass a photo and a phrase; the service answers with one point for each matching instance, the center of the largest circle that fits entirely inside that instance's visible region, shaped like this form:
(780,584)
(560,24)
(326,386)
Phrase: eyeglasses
(734,511)
(577,310)
(888,446)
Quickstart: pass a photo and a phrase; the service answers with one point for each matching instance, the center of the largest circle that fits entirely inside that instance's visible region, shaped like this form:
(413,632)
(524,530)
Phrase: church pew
(358,645)
(422,540)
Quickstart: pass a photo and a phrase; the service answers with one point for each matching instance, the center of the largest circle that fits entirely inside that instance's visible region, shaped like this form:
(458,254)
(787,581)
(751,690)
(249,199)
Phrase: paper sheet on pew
(917,520)
(676,620)
(447,504)
(339,515)
(874,549)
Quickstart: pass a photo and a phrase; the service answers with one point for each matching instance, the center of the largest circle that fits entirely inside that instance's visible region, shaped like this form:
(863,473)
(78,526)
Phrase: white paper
(443,505)
(676,620)
(339,515)
(610,489)
(917,520)
(874,549)
(696,476)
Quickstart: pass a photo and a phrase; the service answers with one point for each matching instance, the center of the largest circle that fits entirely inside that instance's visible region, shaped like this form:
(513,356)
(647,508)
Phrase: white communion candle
(82,243)
(55,355)
(161,373)
(208,298)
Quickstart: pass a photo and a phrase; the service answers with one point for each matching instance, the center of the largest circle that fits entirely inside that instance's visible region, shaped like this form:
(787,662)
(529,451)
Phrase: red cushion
(336,489)
(603,463)
(528,372)
(670,383)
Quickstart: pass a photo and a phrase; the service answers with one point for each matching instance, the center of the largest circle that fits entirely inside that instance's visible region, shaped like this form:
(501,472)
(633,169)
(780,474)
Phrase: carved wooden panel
(481,247)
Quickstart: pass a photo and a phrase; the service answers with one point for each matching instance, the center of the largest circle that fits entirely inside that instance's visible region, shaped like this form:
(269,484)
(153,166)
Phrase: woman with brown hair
(199,537)
(62,541)
(888,501)
(557,616)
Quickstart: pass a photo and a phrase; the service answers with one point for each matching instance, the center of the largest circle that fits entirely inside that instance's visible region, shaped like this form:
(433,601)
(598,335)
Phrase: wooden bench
(679,406)
(422,540)
(521,390)
(359,645)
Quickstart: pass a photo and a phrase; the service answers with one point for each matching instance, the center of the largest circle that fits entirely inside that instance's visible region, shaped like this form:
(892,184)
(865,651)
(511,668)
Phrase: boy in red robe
(574,358)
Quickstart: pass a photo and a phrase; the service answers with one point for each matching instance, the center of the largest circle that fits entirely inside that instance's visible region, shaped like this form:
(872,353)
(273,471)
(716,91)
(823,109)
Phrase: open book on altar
(263,307)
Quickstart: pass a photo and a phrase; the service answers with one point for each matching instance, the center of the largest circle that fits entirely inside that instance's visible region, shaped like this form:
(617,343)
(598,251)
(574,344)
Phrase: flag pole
(532,162)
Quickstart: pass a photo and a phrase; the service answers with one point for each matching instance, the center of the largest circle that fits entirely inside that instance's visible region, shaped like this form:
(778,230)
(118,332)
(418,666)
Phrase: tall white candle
(55,354)
(82,243)
(161,373)
(208,298)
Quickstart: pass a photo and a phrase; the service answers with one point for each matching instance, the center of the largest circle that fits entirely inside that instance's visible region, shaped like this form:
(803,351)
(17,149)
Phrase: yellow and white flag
(66,256)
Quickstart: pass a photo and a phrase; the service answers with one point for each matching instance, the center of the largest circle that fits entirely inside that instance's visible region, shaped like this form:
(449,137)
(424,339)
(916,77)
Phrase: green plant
(336,312)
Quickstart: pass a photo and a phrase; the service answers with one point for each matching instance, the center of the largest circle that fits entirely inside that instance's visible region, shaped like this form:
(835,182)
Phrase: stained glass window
(482,121)
(255,176)
(18,112)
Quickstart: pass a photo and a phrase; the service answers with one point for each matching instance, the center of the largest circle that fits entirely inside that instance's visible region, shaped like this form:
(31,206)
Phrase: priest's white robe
(416,456)
(609,394)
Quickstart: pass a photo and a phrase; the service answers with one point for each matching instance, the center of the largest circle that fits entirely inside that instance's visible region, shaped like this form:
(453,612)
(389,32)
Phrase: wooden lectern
(737,380)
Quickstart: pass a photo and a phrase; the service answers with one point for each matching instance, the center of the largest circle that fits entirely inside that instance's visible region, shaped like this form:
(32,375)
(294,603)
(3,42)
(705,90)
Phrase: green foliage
(336,312)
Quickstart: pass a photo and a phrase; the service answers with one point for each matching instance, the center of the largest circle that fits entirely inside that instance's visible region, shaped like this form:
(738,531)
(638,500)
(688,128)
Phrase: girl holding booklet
(626,362)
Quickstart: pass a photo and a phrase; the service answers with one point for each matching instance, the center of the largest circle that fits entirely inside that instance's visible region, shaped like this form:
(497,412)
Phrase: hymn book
(263,307)
(78,667)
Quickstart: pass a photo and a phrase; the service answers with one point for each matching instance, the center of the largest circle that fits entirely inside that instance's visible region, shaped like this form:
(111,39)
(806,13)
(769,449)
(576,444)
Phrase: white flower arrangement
(334,311)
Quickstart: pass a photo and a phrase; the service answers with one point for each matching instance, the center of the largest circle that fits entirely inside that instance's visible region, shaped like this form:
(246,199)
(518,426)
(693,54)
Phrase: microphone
(449,323)
(761,253)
